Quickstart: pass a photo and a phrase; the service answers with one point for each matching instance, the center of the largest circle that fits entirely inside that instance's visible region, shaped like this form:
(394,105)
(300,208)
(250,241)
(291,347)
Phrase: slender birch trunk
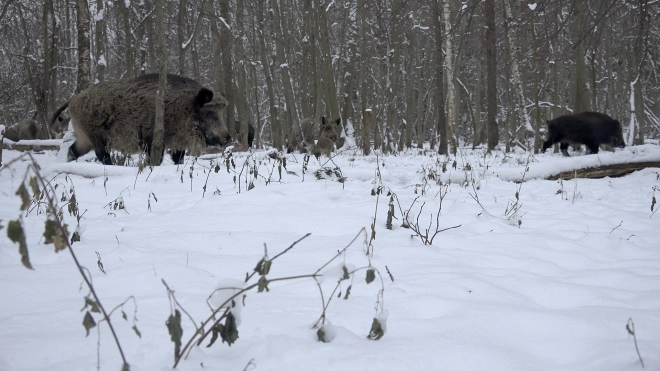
(451,133)
(519,105)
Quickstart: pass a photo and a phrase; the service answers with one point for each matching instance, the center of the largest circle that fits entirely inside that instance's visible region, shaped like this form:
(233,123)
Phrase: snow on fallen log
(603,164)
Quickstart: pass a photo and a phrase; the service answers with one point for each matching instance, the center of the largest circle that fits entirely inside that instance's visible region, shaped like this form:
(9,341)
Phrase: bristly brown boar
(120,115)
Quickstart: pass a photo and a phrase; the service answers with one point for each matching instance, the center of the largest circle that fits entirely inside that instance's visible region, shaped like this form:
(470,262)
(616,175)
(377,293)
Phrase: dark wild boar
(309,130)
(589,128)
(120,115)
(29,129)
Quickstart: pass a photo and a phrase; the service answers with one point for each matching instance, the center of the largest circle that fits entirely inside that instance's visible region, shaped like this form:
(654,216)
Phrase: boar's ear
(323,121)
(339,121)
(204,96)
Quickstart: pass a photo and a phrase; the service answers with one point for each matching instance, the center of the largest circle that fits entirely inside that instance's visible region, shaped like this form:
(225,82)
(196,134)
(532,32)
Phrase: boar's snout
(220,137)
(618,142)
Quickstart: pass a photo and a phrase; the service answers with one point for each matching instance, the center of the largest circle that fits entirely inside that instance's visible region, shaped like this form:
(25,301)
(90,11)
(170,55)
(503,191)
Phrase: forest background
(400,73)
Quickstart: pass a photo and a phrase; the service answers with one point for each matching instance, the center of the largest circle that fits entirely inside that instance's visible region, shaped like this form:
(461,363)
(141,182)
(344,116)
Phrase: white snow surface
(553,293)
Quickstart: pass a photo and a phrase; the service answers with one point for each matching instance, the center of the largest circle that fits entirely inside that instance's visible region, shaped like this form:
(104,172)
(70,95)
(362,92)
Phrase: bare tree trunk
(580,91)
(180,36)
(537,64)
(451,133)
(419,117)
(290,112)
(128,36)
(476,121)
(156,155)
(441,128)
(53,55)
(307,69)
(227,38)
(41,88)
(492,130)
(396,41)
(366,132)
(141,40)
(350,71)
(639,55)
(364,62)
(409,101)
(100,41)
(325,59)
(275,126)
(84,62)
(523,117)
(242,87)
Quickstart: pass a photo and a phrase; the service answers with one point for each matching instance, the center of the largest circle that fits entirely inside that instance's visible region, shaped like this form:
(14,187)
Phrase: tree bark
(492,130)
(100,41)
(639,55)
(290,111)
(157,145)
(84,62)
(366,132)
(364,62)
(275,126)
(325,59)
(580,91)
(242,85)
(441,128)
(523,117)
(227,41)
(128,36)
(180,36)
(451,133)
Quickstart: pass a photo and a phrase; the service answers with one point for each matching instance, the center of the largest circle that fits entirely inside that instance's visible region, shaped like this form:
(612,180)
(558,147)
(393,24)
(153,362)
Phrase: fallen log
(34,145)
(613,171)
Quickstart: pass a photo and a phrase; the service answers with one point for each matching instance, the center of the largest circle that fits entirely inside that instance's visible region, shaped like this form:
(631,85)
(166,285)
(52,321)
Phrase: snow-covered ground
(549,285)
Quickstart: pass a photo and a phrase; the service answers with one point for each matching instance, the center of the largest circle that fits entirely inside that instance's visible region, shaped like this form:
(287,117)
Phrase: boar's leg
(103,156)
(74,152)
(177,156)
(593,147)
(547,144)
(564,148)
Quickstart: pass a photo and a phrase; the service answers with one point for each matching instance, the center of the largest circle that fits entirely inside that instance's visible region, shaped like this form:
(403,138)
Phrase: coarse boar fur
(589,128)
(120,115)
(309,130)
(29,129)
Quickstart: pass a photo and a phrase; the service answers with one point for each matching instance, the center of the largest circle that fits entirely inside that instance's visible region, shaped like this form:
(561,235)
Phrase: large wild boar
(29,129)
(120,115)
(589,128)
(310,130)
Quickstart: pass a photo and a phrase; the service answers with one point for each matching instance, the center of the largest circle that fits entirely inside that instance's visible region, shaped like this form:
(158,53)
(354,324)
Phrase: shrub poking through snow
(42,193)
(224,320)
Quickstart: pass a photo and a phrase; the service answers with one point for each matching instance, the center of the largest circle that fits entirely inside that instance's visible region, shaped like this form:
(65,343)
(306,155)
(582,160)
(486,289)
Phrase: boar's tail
(57,114)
